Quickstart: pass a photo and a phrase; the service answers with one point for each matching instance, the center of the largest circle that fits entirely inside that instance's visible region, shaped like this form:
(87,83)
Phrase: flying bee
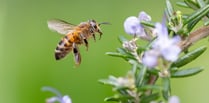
(74,35)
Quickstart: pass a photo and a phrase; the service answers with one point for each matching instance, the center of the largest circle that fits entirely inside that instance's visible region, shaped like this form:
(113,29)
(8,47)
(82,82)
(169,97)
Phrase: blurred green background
(27,51)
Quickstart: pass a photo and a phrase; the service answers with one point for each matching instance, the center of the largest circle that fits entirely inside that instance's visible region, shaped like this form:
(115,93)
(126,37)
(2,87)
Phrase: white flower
(163,46)
(64,99)
(58,98)
(143,16)
(150,58)
(173,99)
(167,46)
(133,27)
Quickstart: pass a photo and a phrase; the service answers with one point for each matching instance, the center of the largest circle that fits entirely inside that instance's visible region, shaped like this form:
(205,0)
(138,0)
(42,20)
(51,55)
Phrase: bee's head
(95,26)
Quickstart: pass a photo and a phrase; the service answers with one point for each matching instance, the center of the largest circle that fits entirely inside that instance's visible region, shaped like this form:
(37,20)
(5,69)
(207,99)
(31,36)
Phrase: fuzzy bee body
(74,36)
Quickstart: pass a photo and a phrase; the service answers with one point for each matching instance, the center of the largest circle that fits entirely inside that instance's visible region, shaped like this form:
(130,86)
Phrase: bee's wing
(60,26)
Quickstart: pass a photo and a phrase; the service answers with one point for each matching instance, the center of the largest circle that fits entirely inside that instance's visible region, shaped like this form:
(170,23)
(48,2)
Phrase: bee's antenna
(106,23)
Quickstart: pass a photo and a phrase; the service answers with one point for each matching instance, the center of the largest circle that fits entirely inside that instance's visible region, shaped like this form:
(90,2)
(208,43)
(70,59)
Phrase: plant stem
(194,37)
(152,80)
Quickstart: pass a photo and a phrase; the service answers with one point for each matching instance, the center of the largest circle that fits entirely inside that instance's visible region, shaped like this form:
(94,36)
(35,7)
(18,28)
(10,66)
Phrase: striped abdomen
(63,47)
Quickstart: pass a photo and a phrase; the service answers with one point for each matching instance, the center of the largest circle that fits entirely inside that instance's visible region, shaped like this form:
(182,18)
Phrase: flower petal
(143,16)
(171,53)
(52,100)
(150,58)
(173,99)
(132,25)
(66,99)
(161,30)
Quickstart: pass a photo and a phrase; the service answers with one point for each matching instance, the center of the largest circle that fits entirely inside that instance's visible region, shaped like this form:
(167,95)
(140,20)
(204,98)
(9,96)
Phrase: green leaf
(189,57)
(169,8)
(191,4)
(113,98)
(150,98)
(182,4)
(116,54)
(141,49)
(197,15)
(122,39)
(201,3)
(140,76)
(192,24)
(148,23)
(117,98)
(166,88)
(110,81)
(124,56)
(124,51)
(134,66)
(186,72)
(173,69)
(121,50)
(206,23)
(153,71)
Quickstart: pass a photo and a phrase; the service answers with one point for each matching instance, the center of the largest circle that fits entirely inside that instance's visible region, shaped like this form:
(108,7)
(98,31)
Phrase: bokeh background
(27,51)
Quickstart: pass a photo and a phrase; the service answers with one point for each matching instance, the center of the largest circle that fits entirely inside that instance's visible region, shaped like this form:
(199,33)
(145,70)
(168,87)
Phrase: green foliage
(186,72)
(139,85)
(189,57)
(194,18)
(166,88)
(150,98)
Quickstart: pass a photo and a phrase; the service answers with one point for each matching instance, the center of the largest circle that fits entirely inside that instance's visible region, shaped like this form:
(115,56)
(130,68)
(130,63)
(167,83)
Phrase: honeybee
(74,35)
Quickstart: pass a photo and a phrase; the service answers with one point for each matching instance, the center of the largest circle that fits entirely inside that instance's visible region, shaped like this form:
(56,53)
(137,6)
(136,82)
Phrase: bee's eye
(95,26)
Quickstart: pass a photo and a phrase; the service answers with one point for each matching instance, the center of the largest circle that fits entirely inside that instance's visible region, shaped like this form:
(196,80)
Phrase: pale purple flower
(150,58)
(143,16)
(64,99)
(167,46)
(173,99)
(58,98)
(133,27)
(163,46)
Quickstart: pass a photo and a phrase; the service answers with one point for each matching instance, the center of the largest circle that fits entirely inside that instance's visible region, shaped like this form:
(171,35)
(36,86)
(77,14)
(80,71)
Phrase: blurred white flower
(58,98)
(64,99)
(150,58)
(173,99)
(128,81)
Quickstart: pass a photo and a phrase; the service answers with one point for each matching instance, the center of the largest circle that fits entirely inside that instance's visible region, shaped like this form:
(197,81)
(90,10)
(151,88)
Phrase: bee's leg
(86,44)
(94,37)
(77,55)
(85,41)
(100,35)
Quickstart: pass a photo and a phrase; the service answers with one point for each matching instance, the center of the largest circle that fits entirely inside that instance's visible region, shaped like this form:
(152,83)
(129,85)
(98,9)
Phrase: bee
(74,35)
